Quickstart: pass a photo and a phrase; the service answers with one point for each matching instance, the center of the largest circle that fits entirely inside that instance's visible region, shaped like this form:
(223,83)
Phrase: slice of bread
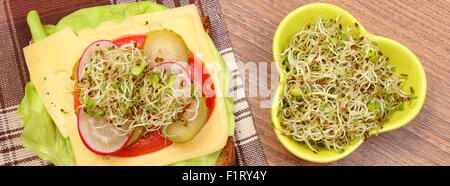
(227,156)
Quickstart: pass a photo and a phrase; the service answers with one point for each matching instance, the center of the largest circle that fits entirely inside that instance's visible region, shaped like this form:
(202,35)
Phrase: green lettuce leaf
(40,134)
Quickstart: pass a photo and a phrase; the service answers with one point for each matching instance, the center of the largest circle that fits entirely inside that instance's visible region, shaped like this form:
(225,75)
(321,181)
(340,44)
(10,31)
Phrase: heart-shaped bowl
(401,57)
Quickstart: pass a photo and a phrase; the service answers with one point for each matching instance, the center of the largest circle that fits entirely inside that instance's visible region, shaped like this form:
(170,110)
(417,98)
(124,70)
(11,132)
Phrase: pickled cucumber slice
(165,46)
(135,136)
(183,131)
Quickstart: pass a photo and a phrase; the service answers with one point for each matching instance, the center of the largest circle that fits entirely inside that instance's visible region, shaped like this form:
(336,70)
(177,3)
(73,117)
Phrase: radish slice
(99,136)
(182,83)
(101,45)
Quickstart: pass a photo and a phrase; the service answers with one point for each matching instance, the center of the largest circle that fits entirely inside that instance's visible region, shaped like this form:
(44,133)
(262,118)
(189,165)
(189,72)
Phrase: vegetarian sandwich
(146,90)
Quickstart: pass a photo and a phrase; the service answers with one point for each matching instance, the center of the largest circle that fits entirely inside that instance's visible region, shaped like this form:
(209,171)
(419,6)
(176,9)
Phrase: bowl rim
(356,143)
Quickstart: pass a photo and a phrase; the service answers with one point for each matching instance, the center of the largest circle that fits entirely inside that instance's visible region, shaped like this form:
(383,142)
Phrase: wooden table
(422,26)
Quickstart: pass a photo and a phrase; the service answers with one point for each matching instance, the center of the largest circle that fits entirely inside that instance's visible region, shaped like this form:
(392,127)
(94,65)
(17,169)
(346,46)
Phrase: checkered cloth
(15,34)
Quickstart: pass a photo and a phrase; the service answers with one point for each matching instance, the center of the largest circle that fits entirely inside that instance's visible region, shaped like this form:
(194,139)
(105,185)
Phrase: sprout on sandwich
(120,86)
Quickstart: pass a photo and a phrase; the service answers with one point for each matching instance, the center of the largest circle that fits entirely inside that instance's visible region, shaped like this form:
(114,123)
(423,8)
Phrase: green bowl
(401,57)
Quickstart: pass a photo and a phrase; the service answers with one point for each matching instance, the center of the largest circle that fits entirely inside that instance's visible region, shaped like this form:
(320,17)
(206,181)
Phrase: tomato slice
(76,101)
(153,141)
(149,143)
(139,39)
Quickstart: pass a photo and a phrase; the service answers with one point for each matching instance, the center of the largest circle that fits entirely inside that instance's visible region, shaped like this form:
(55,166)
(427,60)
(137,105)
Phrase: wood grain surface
(422,26)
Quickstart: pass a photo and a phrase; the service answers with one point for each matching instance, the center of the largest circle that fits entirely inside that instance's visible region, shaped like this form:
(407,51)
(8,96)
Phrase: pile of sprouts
(338,86)
(119,86)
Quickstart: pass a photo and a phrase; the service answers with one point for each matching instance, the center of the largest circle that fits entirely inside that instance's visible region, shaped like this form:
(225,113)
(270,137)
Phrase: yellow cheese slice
(50,62)
(184,21)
